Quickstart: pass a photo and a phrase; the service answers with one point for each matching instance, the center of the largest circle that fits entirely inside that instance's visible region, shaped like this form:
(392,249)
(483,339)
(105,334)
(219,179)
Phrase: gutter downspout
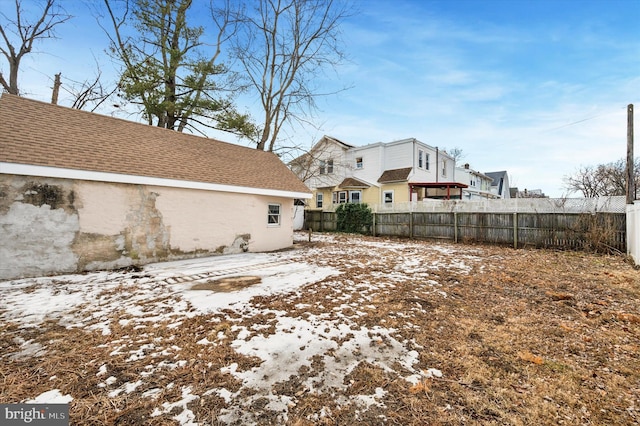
(413,165)
(437,164)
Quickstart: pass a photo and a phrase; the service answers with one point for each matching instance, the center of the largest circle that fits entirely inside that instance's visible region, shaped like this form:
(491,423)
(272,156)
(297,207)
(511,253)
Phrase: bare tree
(601,180)
(457,154)
(284,47)
(20,33)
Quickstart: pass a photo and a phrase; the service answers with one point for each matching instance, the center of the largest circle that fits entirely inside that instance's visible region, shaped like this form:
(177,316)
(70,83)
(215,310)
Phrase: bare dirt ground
(500,336)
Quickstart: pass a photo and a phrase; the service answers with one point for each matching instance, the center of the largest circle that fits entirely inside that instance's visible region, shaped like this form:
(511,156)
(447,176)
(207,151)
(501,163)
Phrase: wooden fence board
(548,230)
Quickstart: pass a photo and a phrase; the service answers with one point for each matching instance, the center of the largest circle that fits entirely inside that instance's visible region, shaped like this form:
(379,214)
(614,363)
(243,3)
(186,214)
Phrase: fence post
(410,224)
(515,230)
(373,228)
(455,227)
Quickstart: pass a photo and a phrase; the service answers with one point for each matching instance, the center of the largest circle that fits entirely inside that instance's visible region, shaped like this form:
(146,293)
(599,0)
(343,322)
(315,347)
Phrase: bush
(355,218)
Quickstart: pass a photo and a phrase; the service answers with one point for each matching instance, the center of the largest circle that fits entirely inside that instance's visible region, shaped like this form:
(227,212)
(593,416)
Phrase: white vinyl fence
(633,231)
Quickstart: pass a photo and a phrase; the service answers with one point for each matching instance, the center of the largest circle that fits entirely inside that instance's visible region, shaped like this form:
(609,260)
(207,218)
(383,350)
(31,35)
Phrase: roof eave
(62,173)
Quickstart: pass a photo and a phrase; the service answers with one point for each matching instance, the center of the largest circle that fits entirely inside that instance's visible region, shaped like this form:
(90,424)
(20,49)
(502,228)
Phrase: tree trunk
(13,76)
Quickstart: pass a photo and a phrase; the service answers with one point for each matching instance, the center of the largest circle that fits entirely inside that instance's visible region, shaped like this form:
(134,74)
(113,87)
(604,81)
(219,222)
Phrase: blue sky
(537,88)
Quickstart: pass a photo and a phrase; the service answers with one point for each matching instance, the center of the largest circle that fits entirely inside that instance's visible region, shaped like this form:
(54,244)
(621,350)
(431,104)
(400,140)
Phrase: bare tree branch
(602,180)
(25,34)
(284,45)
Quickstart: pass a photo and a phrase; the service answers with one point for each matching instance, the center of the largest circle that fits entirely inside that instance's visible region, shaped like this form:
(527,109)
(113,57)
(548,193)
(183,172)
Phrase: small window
(342,197)
(329,167)
(426,162)
(387,197)
(359,163)
(421,159)
(323,167)
(444,167)
(273,218)
(319,198)
(355,197)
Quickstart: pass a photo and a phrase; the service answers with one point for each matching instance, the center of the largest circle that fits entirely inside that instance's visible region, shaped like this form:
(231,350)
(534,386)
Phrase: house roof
(496,176)
(498,179)
(346,145)
(351,182)
(438,185)
(395,175)
(41,134)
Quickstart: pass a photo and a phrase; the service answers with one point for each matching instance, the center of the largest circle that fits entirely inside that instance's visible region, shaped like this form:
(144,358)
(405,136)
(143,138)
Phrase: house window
(326,167)
(387,197)
(426,161)
(319,198)
(421,159)
(444,167)
(273,218)
(355,196)
(359,163)
(340,197)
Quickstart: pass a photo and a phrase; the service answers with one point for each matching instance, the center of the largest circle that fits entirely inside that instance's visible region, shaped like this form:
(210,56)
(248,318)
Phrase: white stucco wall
(53,225)
(102,208)
(206,220)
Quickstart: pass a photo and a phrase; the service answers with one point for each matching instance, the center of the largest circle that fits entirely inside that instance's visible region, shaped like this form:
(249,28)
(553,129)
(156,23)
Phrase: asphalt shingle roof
(395,175)
(351,182)
(38,133)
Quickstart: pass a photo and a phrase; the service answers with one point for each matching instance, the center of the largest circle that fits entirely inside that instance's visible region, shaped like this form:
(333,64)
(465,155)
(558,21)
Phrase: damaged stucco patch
(96,251)
(239,245)
(38,225)
(146,236)
(119,226)
(36,241)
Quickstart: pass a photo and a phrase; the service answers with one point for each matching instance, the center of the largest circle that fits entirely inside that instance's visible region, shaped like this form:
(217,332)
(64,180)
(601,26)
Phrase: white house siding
(341,166)
(398,155)
(53,226)
(372,160)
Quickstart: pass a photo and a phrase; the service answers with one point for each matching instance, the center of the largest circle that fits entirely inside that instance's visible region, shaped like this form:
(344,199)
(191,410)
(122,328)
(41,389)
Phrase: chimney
(466,166)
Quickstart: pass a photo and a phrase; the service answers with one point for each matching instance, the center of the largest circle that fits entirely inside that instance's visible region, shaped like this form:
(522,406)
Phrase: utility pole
(631,190)
(56,89)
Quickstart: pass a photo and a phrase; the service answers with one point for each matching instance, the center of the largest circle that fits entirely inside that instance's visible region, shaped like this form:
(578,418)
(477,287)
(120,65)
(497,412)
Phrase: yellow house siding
(371,195)
(326,199)
(400,191)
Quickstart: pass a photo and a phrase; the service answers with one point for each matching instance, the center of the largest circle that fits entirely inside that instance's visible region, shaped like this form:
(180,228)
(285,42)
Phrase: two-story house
(479,184)
(378,173)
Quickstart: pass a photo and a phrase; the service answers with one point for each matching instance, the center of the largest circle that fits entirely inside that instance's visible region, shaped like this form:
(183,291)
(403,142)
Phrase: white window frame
(359,163)
(273,217)
(323,167)
(351,193)
(342,197)
(444,167)
(319,200)
(384,197)
(426,161)
(329,167)
(420,159)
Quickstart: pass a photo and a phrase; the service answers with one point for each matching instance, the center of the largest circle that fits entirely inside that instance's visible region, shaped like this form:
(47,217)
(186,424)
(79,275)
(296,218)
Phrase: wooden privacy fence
(597,231)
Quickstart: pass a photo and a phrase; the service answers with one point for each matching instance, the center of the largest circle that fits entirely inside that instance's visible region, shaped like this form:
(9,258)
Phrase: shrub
(355,218)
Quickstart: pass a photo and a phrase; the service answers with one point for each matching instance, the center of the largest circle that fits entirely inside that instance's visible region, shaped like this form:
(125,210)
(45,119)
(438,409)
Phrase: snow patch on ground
(328,346)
